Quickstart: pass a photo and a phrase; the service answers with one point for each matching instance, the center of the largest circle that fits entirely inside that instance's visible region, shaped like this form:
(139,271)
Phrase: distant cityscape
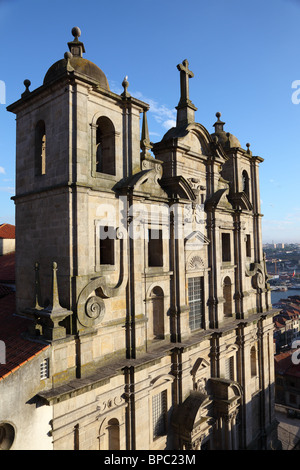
(283,266)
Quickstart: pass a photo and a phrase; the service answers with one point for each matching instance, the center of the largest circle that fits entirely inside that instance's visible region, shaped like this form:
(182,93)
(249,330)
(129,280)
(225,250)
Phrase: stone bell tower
(75,140)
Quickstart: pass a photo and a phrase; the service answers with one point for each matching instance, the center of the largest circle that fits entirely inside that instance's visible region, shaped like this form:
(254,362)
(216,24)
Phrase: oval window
(7,436)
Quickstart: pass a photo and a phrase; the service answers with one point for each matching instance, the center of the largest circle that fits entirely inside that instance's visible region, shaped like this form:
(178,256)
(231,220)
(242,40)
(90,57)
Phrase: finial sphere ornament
(218,115)
(68,55)
(76,32)
(27,83)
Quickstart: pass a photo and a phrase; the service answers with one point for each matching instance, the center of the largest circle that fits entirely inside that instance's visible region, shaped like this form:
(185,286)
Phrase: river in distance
(277,295)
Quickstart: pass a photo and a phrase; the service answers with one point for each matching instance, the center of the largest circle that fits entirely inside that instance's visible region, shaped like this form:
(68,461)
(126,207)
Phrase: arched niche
(156,321)
(40,148)
(227,294)
(113,431)
(245,182)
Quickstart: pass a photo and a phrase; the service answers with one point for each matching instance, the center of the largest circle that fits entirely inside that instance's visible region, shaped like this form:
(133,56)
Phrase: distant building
(287,381)
(7,239)
(287,323)
(286,330)
(141,286)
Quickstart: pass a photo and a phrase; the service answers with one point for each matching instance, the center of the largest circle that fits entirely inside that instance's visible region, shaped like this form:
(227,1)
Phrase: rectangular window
(248,246)
(195,293)
(107,245)
(155,248)
(226,255)
(44,369)
(159,414)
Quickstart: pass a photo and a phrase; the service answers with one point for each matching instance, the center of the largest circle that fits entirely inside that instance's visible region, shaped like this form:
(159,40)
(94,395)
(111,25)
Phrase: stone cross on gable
(185,109)
(185,75)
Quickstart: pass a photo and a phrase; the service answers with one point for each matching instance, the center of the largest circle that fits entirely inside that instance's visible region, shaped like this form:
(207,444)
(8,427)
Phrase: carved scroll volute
(90,304)
(95,308)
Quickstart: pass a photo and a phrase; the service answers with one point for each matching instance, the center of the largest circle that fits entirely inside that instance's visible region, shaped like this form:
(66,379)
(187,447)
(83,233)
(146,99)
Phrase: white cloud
(2,170)
(165,116)
(154,134)
(169,123)
(162,114)
(115,87)
(283,229)
(7,189)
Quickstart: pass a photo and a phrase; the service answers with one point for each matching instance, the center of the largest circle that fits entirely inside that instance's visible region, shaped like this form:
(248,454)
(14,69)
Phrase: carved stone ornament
(258,280)
(110,403)
(193,213)
(195,263)
(257,272)
(91,307)
(95,308)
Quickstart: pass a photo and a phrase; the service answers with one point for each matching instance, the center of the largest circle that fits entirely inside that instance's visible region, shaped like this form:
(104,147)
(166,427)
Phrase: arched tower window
(227,294)
(245,178)
(40,148)
(105,146)
(113,430)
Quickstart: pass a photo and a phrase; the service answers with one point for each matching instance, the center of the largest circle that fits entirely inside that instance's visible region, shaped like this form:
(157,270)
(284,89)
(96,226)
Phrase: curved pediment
(178,187)
(195,131)
(218,200)
(225,389)
(194,137)
(145,182)
(240,201)
(161,379)
(188,413)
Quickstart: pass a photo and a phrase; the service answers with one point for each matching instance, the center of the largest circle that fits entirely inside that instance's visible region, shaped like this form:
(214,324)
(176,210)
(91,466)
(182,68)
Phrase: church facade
(140,266)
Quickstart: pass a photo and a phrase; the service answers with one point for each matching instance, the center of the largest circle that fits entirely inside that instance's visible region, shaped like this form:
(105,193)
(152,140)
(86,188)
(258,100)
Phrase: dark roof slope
(18,349)
(7,268)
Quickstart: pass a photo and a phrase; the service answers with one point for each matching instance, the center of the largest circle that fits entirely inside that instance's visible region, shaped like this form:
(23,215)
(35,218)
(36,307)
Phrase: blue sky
(245,57)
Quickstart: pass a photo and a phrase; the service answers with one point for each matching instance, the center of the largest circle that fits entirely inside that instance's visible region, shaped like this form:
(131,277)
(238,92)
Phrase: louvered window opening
(159,413)
(195,291)
(44,369)
(229,368)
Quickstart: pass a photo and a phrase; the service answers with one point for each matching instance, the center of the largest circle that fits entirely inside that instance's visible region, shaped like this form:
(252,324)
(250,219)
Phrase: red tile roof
(7,268)
(18,350)
(7,231)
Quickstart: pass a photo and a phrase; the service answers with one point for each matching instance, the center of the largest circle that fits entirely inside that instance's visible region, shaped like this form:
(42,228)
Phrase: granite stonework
(159,340)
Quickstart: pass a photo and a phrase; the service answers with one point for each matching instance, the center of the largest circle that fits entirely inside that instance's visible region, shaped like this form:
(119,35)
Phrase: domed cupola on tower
(226,139)
(74,63)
